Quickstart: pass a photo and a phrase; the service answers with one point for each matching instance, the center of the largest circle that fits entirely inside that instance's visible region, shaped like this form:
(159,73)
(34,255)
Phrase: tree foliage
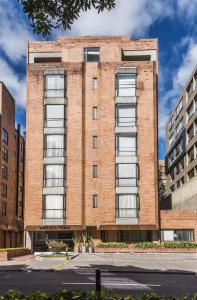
(45,15)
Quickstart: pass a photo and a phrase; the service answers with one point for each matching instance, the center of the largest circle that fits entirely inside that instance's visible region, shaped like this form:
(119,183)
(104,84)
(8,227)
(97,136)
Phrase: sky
(173,22)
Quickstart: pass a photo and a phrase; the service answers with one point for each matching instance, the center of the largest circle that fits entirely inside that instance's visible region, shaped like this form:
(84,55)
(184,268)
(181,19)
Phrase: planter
(6,255)
(148,250)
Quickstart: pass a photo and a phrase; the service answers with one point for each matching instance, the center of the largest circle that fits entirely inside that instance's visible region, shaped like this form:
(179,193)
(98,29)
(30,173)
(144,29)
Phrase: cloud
(128,18)
(180,77)
(14,84)
(14,32)
(187,8)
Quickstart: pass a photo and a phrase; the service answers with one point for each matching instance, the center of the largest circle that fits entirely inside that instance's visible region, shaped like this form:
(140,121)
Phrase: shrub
(93,295)
(145,245)
(57,247)
(112,245)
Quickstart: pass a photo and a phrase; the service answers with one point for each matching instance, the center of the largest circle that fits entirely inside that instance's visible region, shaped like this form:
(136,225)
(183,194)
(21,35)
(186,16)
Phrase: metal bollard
(98,281)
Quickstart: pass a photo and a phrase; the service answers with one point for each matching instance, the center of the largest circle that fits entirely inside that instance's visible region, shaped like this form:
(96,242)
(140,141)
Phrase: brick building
(91,140)
(12,147)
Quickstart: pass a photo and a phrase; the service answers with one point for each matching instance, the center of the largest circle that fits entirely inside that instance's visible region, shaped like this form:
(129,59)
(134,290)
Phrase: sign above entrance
(55,228)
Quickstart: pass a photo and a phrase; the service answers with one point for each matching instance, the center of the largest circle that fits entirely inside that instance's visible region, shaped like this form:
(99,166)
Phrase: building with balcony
(12,147)
(91,140)
(179,207)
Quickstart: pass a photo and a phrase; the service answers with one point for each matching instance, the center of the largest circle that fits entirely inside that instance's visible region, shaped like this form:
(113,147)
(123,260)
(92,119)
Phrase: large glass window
(134,235)
(177,235)
(179,108)
(126,175)
(54,116)
(125,144)
(126,115)
(126,206)
(54,85)
(190,89)
(190,154)
(179,126)
(91,54)
(190,133)
(54,145)
(126,85)
(179,147)
(54,175)
(5,136)
(190,111)
(171,140)
(53,207)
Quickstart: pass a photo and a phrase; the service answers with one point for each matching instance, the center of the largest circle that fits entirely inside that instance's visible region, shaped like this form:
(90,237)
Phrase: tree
(48,14)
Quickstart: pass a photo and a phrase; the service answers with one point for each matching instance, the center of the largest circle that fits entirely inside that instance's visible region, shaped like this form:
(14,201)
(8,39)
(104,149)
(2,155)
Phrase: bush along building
(91,158)
(179,212)
(12,146)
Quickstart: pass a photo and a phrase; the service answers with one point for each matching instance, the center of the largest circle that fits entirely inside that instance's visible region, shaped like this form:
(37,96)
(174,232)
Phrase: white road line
(110,283)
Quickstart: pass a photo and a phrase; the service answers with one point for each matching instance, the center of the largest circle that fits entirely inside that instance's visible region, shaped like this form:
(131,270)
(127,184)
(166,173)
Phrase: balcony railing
(54,182)
(126,182)
(126,121)
(54,123)
(54,152)
(55,93)
(126,90)
(54,213)
(126,151)
(127,213)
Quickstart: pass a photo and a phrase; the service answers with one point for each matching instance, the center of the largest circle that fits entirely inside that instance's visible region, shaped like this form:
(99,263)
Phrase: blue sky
(173,22)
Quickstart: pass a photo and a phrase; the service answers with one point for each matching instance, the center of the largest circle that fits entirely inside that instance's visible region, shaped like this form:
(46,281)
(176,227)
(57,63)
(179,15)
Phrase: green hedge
(12,249)
(113,245)
(79,295)
(186,245)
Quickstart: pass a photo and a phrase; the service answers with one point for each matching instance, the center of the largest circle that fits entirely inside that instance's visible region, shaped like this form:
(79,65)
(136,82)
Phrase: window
(134,235)
(5,136)
(171,122)
(126,175)
(178,183)
(126,85)
(190,133)
(104,236)
(94,141)
(172,188)
(54,116)
(5,154)
(94,83)
(126,206)
(179,126)
(179,108)
(94,201)
(190,154)
(125,144)
(4,190)
(54,207)
(174,235)
(180,166)
(190,174)
(95,171)
(3,208)
(190,111)
(54,175)
(94,113)
(171,140)
(4,171)
(171,174)
(91,54)
(54,85)
(170,158)
(179,147)
(126,115)
(54,145)
(190,89)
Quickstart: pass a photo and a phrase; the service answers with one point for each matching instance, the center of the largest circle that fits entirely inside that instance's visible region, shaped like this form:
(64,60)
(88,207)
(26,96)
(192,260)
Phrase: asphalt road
(176,283)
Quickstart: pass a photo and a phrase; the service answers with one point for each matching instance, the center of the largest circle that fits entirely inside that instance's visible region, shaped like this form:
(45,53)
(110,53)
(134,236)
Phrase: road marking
(60,266)
(110,283)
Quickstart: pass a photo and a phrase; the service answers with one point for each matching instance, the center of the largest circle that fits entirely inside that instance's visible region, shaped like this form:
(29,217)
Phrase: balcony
(54,182)
(127,216)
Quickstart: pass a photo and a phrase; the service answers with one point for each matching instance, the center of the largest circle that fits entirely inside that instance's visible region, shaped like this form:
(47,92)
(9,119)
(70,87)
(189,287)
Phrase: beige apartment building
(12,147)
(181,162)
(91,140)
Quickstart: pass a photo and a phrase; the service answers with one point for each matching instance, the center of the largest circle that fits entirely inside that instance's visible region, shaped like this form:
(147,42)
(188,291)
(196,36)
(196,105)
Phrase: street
(120,274)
